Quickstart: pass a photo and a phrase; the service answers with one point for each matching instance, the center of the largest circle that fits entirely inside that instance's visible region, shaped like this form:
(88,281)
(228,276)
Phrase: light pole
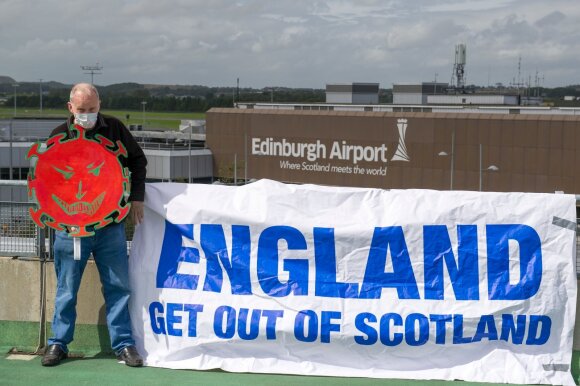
(40,95)
(443,153)
(15,85)
(144,103)
(189,156)
(491,168)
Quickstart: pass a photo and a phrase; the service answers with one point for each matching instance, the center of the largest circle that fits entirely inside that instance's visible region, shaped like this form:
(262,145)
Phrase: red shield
(78,183)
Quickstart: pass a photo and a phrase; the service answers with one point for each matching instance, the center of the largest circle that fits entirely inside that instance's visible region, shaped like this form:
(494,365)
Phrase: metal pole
(189,158)
(15,85)
(143,103)
(245,158)
(10,177)
(236,169)
(10,163)
(40,96)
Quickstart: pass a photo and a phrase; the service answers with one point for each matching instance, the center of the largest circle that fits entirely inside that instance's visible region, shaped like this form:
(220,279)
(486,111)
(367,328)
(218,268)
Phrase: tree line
(127,102)
(132,96)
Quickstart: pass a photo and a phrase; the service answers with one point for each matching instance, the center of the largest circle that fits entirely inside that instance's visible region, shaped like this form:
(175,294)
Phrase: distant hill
(6,80)
(7,86)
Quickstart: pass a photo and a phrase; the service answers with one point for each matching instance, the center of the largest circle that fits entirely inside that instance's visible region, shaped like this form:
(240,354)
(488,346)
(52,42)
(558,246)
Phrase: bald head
(84,89)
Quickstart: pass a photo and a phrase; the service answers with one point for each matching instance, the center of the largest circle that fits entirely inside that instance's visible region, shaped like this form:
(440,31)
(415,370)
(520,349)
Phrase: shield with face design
(79,183)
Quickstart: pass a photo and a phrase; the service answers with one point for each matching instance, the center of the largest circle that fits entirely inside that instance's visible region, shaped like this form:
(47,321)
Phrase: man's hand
(136,212)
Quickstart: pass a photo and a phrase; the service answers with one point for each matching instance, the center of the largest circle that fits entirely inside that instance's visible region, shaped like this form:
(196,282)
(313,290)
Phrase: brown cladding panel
(543,136)
(493,153)
(427,178)
(530,161)
(460,180)
(555,163)
(495,131)
(441,179)
(556,135)
(491,181)
(394,177)
(528,131)
(472,157)
(568,163)
(469,134)
(472,180)
(442,131)
(517,183)
(502,181)
(507,135)
(541,183)
(542,161)
(557,184)
(569,135)
(506,160)
(529,183)
(415,178)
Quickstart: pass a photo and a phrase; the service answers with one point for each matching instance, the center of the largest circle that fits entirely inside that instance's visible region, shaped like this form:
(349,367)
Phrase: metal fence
(19,236)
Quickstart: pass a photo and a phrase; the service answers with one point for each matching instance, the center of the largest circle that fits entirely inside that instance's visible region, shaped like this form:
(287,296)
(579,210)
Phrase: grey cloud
(551,19)
(296,43)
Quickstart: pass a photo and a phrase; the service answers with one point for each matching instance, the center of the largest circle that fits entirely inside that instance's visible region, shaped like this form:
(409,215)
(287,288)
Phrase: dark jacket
(113,129)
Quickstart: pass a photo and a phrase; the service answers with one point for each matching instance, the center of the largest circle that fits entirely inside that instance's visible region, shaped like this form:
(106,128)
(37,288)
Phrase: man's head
(84,104)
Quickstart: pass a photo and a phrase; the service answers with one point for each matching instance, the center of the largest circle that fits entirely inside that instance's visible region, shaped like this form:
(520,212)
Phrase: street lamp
(15,85)
(40,95)
(144,103)
(444,154)
(491,168)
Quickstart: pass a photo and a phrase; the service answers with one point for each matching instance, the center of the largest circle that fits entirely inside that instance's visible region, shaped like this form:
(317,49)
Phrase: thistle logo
(401,153)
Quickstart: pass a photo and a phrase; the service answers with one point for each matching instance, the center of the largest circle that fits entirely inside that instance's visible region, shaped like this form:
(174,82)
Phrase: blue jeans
(109,248)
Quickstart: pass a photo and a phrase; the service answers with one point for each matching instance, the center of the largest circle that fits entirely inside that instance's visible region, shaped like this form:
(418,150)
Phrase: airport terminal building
(489,149)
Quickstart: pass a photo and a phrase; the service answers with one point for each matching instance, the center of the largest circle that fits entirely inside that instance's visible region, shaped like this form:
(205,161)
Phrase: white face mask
(86,121)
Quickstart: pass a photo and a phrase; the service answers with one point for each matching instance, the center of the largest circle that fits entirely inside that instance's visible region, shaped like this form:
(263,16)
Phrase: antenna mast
(93,70)
(458,76)
(517,84)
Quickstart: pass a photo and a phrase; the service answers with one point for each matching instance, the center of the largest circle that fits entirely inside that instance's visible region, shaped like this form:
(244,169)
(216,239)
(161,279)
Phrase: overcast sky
(292,43)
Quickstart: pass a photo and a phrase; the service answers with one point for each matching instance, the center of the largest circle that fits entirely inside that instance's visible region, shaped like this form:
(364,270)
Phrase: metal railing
(19,235)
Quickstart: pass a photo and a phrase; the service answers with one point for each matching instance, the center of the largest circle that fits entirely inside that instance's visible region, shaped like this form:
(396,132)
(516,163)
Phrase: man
(108,245)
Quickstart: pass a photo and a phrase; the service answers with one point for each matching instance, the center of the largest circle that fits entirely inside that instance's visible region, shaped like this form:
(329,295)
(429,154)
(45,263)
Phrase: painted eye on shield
(67,174)
(95,170)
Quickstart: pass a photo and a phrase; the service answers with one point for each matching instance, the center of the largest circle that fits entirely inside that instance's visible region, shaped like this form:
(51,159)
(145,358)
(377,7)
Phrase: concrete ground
(18,369)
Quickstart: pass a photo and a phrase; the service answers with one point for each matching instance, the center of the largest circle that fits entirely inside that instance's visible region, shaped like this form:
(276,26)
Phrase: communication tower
(458,76)
(518,84)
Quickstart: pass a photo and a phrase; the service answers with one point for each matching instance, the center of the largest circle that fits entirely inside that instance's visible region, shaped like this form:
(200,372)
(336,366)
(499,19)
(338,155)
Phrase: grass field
(149,120)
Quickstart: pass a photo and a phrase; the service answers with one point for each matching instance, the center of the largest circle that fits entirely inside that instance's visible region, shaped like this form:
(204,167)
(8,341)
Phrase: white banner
(313,280)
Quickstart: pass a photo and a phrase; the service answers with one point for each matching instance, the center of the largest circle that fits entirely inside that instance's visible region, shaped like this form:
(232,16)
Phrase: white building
(431,93)
(353,93)
(473,99)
